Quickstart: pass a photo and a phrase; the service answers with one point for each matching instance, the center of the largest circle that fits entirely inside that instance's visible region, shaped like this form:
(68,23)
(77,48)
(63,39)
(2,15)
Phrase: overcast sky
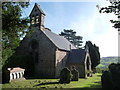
(85,19)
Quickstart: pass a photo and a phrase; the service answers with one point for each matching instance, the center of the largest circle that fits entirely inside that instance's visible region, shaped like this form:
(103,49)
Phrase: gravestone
(65,75)
(106,80)
(75,74)
(13,74)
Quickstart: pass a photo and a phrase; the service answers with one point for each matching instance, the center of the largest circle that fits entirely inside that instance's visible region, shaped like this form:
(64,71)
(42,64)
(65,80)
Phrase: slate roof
(59,41)
(77,56)
(38,6)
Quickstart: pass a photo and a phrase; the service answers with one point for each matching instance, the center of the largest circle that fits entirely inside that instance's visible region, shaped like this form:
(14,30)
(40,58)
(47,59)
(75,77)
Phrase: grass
(91,82)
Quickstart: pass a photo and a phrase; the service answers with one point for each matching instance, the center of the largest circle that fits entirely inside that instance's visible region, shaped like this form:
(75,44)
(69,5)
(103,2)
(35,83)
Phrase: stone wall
(61,58)
(80,68)
(46,59)
(50,60)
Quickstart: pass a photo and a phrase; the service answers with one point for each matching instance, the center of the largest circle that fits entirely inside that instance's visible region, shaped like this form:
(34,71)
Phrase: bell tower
(37,17)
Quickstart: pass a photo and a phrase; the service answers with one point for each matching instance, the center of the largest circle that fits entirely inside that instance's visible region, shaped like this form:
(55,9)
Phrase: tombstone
(75,74)
(65,75)
(115,70)
(12,74)
(106,80)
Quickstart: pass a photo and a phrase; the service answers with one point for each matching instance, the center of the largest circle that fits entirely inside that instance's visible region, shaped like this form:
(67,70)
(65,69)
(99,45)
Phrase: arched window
(36,57)
(35,53)
(37,19)
(33,20)
(34,44)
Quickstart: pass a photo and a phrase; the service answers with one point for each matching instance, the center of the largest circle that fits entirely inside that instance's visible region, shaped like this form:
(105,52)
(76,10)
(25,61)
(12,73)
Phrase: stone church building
(51,52)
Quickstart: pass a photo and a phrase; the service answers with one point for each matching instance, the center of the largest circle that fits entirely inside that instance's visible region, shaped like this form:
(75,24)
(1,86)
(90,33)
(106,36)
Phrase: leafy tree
(70,35)
(13,27)
(113,8)
(94,54)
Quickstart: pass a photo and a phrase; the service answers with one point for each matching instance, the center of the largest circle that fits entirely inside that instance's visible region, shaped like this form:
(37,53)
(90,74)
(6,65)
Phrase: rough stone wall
(46,59)
(45,66)
(24,48)
(61,58)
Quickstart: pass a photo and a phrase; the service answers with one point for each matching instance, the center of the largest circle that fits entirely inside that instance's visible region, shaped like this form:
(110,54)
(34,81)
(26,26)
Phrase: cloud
(99,30)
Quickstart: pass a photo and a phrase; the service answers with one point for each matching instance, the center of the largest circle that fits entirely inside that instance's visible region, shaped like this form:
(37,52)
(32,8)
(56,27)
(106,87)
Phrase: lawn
(91,82)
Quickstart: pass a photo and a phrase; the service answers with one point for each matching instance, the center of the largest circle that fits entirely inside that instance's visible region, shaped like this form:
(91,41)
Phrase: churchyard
(91,82)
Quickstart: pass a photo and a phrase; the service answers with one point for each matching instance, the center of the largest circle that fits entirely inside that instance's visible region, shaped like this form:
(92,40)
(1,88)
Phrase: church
(51,52)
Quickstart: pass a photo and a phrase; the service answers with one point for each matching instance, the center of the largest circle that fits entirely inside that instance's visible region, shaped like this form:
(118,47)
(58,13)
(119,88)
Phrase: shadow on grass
(47,83)
(96,85)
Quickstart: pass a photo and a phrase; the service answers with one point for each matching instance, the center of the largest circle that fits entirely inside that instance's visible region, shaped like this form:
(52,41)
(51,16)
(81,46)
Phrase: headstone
(75,74)
(106,80)
(65,75)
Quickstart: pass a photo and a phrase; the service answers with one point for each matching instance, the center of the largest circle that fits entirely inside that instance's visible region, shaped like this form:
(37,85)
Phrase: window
(36,57)
(37,19)
(32,21)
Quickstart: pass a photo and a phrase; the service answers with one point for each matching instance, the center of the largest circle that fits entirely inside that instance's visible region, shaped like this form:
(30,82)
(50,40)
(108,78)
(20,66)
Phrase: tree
(113,8)
(70,35)
(13,27)
(94,54)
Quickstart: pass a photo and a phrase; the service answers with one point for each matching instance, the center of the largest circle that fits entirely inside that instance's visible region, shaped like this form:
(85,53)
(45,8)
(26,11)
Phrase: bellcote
(37,17)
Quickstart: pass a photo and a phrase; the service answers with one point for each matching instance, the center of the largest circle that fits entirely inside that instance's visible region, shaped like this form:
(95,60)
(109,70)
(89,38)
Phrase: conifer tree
(70,35)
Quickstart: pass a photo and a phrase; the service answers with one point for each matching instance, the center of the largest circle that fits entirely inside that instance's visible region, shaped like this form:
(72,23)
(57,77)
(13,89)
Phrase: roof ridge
(59,41)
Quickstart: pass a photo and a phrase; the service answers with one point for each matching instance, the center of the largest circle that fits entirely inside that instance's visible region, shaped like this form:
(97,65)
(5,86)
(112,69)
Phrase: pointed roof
(38,6)
(59,41)
(77,56)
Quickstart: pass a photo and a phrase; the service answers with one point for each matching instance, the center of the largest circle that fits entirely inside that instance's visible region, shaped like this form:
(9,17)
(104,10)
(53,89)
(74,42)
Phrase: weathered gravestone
(13,74)
(115,74)
(106,80)
(75,74)
(65,75)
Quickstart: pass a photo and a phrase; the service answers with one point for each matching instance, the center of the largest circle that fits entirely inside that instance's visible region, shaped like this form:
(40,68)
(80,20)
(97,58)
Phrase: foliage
(94,53)
(106,61)
(13,27)
(113,8)
(98,70)
(92,82)
(70,35)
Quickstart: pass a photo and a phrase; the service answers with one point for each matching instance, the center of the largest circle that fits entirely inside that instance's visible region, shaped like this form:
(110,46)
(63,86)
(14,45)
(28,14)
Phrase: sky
(85,19)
